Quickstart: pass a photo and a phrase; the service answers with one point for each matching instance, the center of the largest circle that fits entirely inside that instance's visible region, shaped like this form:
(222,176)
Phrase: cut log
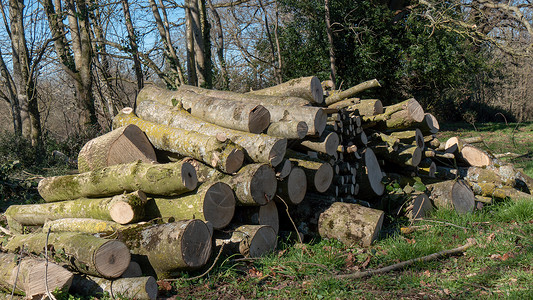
(369,176)
(314,117)
(168,248)
(308,88)
(430,124)
(410,137)
(225,156)
(406,155)
(473,140)
(352,224)
(419,206)
(122,145)
(213,202)
(250,240)
(123,209)
(161,179)
(140,288)
(283,169)
(288,129)
(80,252)
(327,143)
(344,103)
(236,115)
(32,280)
(367,107)
(427,167)
(475,157)
(258,147)
(452,194)
(319,174)
(399,116)
(349,93)
(381,139)
(489,189)
(90,226)
(133,270)
(258,215)
(292,189)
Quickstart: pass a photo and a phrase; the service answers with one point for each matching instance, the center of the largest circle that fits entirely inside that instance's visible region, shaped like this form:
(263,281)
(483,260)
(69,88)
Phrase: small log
(308,88)
(475,157)
(367,107)
(123,209)
(258,147)
(133,270)
(80,252)
(292,189)
(327,143)
(349,93)
(379,138)
(140,288)
(352,224)
(427,167)
(250,240)
(225,156)
(319,174)
(406,155)
(258,215)
(288,129)
(161,179)
(314,117)
(419,205)
(168,248)
(345,103)
(430,124)
(83,225)
(31,276)
(399,116)
(473,140)
(452,194)
(122,145)
(369,176)
(213,202)
(283,169)
(410,137)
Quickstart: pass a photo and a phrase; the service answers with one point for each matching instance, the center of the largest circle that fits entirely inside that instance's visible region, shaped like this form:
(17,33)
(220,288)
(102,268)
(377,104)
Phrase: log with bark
(314,117)
(308,88)
(468,154)
(31,280)
(236,115)
(140,288)
(319,174)
(410,137)
(452,194)
(258,215)
(249,240)
(349,93)
(225,156)
(161,179)
(399,116)
(366,107)
(351,224)
(122,145)
(79,252)
(84,225)
(369,176)
(289,129)
(293,188)
(327,143)
(430,124)
(490,189)
(405,155)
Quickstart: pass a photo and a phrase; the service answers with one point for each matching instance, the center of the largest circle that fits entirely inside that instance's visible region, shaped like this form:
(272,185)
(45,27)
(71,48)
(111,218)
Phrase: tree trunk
(134,48)
(293,188)
(259,147)
(331,46)
(161,179)
(122,145)
(349,93)
(250,240)
(168,248)
(80,252)
(140,288)
(220,46)
(258,215)
(224,156)
(123,209)
(213,202)
(308,88)
(351,224)
(452,194)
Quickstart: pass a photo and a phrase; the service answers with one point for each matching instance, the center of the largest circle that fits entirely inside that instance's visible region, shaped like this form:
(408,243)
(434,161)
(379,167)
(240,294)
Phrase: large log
(490,189)
(468,154)
(161,179)
(32,281)
(258,215)
(349,93)
(293,188)
(288,129)
(91,226)
(430,124)
(308,88)
(140,288)
(168,248)
(410,137)
(213,202)
(250,240)
(123,209)
(225,156)
(80,252)
(122,145)
(236,115)
(258,147)
(351,224)
(452,194)
(365,107)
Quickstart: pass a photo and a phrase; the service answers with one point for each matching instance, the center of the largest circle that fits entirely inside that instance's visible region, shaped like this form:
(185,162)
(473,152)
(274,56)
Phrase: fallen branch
(403,264)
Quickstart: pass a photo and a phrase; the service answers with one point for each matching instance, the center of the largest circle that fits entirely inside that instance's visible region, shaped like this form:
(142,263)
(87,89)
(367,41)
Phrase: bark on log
(319,174)
(489,189)
(83,225)
(288,129)
(161,179)
(367,107)
(293,188)
(430,124)
(406,155)
(258,147)
(452,194)
(410,137)
(349,93)
(140,288)
(213,202)
(399,116)
(345,103)
(258,215)
(327,143)
(123,209)
(167,248)
(225,156)
(308,88)
(80,252)
(250,240)
(31,281)
(352,224)
(236,115)
(314,117)
(122,145)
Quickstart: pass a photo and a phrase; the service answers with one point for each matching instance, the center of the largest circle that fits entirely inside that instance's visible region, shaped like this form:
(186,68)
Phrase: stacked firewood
(194,170)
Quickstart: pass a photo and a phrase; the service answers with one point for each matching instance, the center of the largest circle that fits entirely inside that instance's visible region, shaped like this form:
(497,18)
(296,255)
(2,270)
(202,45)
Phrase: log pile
(195,170)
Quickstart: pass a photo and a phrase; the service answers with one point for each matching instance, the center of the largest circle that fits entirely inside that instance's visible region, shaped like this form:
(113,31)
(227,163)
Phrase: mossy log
(250,240)
(122,145)
(83,225)
(140,288)
(314,117)
(367,107)
(410,137)
(258,215)
(352,224)
(501,175)
(258,147)
(319,174)
(452,194)
(406,155)
(164,249)
(349,93)
(26,276)
(399,116)
(327,143)
(213,202)
(123,209)
(160,179)
(225,156)
(308,88)
(80,252)
(293,188)
(236,115)
(381,139)
(288,129)
(427,167)
(430,124)
(344,103)
(490,189)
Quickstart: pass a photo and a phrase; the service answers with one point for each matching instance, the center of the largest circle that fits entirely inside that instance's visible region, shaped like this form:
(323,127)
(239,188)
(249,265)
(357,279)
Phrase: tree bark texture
(452,194)
(308,88)
(140,288)
(82,225)
(349,93)
(367,107)
(398,116)
(250,240)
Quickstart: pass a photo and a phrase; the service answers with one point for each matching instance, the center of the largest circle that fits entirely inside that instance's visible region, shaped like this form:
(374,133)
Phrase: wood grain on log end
(196,244)
(133,270)
(284,169)
(277,152)
(420,207)
(373,171)
(112,259)
(463,197)
(263,184)
(332,142)
(188,176)
(302,129)
(316,90)
(323,177)
(321,119)
(475,156)
(268,215)
(234,161)
(219,205)
(259,119)
(123,212)
(262,242)
(415,110)
(58,278)
(432,123)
